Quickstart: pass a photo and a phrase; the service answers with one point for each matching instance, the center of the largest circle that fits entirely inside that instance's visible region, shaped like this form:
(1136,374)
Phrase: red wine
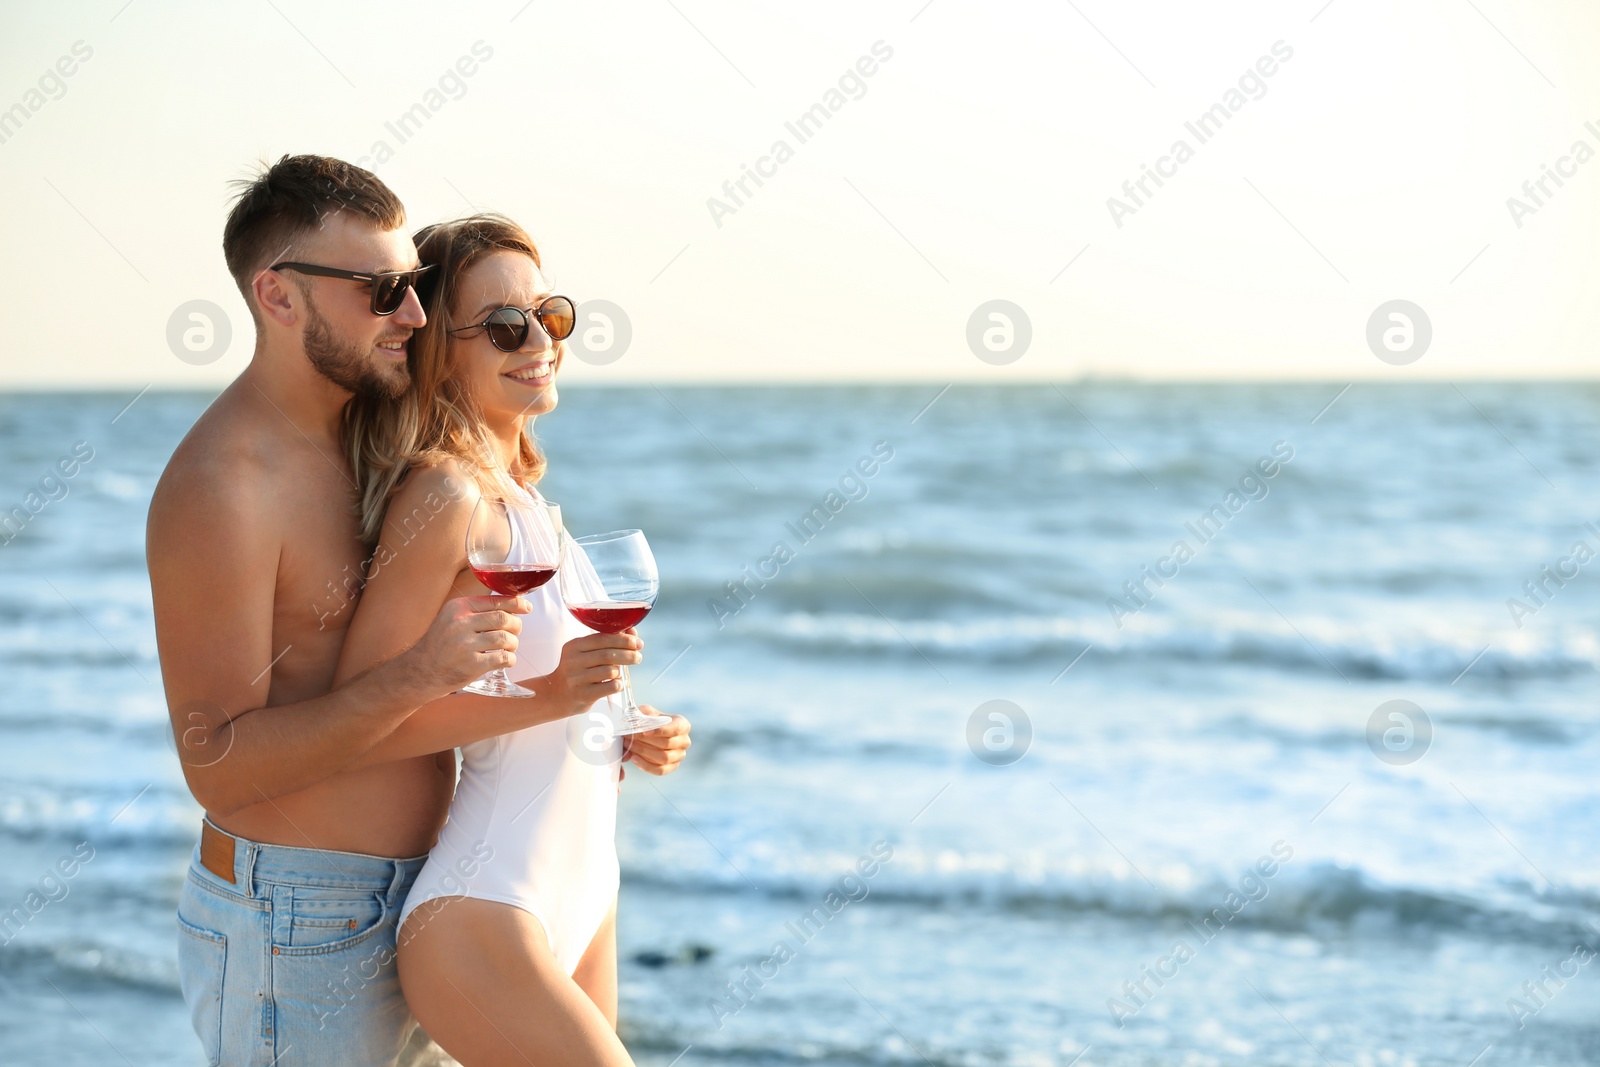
(514,579)
(610,616)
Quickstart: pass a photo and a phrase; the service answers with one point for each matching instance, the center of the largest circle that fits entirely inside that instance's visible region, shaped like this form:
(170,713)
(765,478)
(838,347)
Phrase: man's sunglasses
(508,327)
(389,288)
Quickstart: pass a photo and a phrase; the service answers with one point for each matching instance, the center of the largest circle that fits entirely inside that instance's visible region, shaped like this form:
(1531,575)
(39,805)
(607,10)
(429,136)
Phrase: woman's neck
(505,437)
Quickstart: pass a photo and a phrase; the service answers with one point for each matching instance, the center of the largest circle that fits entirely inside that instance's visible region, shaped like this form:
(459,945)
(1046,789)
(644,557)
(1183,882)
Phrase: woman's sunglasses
(389,288)
(508,327)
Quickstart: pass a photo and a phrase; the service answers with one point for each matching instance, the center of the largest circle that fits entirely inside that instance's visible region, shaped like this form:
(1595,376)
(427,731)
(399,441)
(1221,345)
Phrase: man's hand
(468,638)
(658,751)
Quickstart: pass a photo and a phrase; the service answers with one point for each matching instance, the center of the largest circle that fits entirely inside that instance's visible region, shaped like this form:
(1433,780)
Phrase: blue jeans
(293,963)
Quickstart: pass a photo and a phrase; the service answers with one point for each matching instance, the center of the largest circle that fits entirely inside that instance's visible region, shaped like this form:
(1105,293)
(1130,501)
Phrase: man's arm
(397,603)
(213,547)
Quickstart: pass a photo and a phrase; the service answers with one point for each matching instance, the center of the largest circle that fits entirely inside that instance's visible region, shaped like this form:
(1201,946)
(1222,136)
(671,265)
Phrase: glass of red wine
(609,584)
(513,548)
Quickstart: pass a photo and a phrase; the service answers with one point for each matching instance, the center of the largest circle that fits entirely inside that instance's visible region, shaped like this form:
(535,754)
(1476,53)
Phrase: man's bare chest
(321,565)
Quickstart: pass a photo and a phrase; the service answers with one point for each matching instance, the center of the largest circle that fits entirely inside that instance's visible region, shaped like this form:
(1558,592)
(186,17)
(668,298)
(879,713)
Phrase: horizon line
(34,389)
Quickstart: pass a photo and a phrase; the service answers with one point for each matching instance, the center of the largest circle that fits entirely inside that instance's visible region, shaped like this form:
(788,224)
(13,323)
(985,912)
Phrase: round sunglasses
(389,288)
(508,327)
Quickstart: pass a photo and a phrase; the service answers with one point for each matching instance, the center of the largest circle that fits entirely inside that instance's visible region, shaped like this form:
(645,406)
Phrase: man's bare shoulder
(218,462)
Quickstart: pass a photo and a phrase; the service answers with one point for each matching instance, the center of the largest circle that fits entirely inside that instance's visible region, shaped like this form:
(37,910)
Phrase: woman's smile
(536,373)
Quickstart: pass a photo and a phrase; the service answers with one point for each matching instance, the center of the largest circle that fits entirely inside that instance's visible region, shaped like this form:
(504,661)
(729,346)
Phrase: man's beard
(346,365)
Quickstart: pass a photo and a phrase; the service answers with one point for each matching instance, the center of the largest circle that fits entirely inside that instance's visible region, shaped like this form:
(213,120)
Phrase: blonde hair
(436,419)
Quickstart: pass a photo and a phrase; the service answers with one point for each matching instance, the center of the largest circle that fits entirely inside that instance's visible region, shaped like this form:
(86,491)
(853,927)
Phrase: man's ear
(276,297)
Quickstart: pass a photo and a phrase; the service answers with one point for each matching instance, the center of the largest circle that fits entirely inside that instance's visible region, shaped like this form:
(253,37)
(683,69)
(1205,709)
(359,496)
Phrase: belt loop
(396,883)
(247,868)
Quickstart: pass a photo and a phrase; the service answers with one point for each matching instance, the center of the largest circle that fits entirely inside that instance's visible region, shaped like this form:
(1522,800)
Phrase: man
(286,922)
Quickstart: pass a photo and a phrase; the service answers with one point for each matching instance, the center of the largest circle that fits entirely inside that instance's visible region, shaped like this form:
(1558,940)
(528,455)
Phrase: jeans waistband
(259,865)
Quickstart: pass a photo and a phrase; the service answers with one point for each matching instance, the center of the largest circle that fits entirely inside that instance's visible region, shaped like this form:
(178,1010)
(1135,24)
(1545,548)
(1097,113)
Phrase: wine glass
(609,584)
(513,548)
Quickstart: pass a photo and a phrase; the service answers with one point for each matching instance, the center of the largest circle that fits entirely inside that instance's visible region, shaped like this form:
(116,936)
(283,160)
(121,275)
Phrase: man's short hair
(290,199)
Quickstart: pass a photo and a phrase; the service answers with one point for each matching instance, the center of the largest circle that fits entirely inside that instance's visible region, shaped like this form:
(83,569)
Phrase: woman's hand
(658,751)
(590,670)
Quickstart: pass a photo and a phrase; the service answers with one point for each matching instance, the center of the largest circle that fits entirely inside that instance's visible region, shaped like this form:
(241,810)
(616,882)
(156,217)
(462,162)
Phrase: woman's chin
(531,402)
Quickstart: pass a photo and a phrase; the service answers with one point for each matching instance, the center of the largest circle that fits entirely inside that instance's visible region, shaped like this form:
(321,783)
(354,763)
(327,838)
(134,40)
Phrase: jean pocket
(326,920)
(202,961)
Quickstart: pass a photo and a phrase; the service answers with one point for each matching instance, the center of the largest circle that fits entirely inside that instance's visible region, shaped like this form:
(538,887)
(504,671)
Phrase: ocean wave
(1350,650)
(810,1050)
(155,814)
(80,722)
(938,576)
(83,657)
(82,959)
(1313,896)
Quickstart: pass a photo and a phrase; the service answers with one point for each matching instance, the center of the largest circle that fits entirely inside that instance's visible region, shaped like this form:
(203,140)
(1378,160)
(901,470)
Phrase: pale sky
(974,164)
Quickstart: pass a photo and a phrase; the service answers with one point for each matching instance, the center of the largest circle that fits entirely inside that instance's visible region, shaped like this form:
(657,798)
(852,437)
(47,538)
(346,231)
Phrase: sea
(1095,722)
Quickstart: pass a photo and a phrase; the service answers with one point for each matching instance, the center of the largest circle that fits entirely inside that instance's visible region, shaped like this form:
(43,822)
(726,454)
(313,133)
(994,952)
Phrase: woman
(507,941)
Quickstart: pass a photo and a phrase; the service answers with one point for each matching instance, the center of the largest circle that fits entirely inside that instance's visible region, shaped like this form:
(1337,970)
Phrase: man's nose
(411,313)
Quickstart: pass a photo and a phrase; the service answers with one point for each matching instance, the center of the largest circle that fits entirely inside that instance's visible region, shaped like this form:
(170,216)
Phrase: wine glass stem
(630,707)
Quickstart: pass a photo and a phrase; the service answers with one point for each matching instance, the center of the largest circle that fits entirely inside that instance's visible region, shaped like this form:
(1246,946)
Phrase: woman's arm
(420,563)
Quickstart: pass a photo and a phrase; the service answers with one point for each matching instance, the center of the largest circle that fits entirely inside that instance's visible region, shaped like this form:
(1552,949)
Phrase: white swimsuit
(533,822)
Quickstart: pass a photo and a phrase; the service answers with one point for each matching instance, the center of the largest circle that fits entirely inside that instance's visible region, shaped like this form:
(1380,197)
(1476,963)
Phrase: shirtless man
(313,832)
